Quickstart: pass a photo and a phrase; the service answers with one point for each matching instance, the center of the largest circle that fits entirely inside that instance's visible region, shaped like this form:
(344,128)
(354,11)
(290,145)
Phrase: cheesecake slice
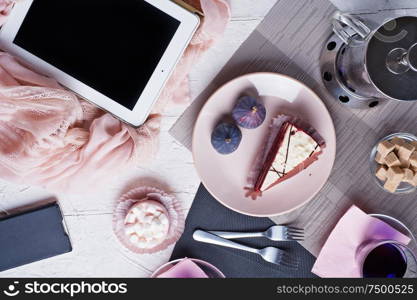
(291,147)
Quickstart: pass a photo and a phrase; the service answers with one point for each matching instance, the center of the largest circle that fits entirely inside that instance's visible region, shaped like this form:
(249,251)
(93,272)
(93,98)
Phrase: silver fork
(270,254)
(274,233)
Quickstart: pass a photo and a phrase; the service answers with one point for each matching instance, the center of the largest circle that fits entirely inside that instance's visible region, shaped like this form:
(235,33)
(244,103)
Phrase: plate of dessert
(264,144)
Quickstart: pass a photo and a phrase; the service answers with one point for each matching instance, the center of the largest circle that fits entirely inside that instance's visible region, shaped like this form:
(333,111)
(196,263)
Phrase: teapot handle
(346,26)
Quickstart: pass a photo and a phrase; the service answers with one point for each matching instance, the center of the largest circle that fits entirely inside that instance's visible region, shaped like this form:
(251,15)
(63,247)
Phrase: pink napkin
(186,268)
(49,137)
(337,257)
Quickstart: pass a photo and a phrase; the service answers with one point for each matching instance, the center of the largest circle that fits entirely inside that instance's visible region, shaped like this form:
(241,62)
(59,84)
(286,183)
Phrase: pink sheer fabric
(5,8)
(217,15)
(49,137)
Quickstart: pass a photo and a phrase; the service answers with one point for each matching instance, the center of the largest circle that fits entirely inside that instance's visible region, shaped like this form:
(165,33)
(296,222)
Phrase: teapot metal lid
(391,58)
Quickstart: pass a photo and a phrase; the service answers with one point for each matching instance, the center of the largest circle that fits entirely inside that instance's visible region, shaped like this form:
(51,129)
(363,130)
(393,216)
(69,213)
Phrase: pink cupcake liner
(172,205)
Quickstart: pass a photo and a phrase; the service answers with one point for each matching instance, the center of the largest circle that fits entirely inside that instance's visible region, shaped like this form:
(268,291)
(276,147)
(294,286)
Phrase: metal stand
(334,83)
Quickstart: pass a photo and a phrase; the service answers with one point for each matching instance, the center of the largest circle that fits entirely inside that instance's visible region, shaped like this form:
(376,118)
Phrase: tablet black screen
(112,46)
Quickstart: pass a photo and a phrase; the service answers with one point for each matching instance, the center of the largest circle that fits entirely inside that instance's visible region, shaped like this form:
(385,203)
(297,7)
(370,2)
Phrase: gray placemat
(372,6)
(208,214)
(289,41)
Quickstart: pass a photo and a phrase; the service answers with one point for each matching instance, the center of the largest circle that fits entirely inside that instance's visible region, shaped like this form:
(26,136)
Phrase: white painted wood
(88,217)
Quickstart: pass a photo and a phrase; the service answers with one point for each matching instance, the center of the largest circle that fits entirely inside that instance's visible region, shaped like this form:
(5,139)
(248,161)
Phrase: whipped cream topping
(147,224)
(297,146)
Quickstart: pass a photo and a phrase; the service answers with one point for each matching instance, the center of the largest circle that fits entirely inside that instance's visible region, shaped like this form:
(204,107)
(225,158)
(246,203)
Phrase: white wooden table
(96,253)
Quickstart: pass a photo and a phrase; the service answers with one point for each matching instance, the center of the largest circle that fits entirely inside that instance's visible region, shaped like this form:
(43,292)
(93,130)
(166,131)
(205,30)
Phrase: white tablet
(117,54)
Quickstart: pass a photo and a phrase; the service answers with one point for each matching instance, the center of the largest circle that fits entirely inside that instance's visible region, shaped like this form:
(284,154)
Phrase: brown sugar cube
(395,174)
(379,159)
(413,182)
(385,147)
(405,163)
(392,160)
(405,151)
(381,173)
(397,142)
(391,185)
(408,175)
(413,159)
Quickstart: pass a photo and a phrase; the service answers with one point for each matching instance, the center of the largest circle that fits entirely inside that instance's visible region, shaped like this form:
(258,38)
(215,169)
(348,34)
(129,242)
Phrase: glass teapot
(379,63)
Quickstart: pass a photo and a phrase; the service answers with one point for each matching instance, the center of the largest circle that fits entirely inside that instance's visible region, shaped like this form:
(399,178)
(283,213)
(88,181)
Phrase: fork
(270,254)
(274,233)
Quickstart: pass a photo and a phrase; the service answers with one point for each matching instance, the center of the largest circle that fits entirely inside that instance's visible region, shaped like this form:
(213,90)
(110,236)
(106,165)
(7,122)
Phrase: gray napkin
(208,214)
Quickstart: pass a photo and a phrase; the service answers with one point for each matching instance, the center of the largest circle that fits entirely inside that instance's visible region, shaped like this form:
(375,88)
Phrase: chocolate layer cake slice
(292,146)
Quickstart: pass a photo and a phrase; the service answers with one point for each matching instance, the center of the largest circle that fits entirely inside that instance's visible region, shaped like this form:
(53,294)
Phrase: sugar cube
(385,147)
(381,172)
(379,159)
(408,175)
(395,174)
(405,151)
(405,163)
(413,159)
(391,185)
(411,180)
(397,142)
(414,181)
(392,160)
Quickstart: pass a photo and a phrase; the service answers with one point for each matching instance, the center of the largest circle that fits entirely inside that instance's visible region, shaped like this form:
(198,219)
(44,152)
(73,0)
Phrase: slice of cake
(291,147)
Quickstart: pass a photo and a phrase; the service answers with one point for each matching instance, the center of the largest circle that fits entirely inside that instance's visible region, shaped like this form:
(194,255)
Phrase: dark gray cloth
(208,214)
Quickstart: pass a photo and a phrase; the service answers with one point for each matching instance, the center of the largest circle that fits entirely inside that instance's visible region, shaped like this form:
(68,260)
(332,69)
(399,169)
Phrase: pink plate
(224,176)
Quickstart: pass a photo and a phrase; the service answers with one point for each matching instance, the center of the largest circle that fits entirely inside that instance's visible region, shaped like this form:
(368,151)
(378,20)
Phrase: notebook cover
(41,230)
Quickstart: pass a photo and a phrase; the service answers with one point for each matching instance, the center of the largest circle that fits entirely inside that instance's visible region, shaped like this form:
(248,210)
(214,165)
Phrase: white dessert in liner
(149,237)
(147,224)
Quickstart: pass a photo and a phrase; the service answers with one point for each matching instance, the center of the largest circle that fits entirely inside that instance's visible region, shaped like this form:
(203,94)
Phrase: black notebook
(31,236)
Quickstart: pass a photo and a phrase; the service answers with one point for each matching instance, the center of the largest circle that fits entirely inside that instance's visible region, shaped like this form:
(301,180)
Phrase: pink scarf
(49,137)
